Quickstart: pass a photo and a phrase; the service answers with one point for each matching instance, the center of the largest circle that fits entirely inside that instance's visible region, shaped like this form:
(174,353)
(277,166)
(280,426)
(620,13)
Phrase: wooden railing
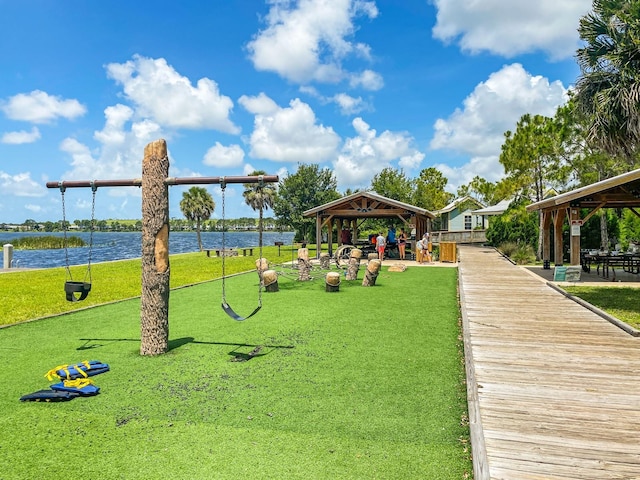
(462,236)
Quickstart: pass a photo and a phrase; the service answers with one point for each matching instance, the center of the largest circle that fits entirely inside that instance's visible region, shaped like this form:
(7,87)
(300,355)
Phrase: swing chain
(223,186)
(94,189)
(64,232)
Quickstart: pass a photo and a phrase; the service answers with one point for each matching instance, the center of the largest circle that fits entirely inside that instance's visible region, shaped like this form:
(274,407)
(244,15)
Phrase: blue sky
(238,85)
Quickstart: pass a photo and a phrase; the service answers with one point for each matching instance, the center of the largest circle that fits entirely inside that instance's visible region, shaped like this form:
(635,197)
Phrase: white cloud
(368,79)
(347,104)
(288,134)
(33,208)
(511,28)
(40,107)
(169,99)
(20,185)
(224,157)
(17,138)
(307,40)
(488,168)
(366,154)
(494,107)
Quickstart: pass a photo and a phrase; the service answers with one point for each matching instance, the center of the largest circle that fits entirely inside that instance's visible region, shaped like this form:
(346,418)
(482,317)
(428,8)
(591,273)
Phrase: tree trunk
(262,264)
(325,260)
(270,279)
(304,265)
(604,232)
(198,234)
(354,264)
(371,275)
(155,250)
(332,282)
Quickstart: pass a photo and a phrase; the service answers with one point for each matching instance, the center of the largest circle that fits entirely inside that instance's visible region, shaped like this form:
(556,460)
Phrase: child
(380,244)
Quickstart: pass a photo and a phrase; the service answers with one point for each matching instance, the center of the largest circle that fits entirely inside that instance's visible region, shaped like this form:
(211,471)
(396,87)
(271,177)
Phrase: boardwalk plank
(554,389)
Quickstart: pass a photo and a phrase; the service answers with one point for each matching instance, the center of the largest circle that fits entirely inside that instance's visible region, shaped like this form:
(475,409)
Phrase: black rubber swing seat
(229,311)
(76,291)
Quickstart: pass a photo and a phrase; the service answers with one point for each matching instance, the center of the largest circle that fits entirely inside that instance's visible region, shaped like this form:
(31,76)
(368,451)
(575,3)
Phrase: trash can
(448,252)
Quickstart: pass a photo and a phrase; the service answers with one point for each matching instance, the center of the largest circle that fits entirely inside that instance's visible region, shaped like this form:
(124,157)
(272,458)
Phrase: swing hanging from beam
(225,305)
(77,291)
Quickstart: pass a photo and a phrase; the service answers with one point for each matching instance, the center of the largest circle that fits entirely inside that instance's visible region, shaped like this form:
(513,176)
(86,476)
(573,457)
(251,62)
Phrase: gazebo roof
(367,205)
(616,192)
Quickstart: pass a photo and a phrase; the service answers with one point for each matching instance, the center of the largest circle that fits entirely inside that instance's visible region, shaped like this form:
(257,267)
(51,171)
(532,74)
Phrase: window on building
(467,222)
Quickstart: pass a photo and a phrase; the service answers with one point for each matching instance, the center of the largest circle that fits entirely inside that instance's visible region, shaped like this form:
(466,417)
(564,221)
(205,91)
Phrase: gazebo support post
(546,238)
(558,220)
(574,217)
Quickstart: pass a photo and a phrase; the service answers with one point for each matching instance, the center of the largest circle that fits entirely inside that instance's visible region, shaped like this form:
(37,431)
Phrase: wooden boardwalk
(554,389)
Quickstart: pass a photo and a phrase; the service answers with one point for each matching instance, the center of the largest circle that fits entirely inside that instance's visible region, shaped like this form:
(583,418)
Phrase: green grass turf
(619,302)
(361,383)
(38,293)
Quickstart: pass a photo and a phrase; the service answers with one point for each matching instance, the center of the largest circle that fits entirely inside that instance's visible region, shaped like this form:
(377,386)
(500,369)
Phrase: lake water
(109,246)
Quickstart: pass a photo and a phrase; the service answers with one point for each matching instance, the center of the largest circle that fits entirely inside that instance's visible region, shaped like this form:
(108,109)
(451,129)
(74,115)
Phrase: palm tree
(259,196)
(608,88)
(197,205)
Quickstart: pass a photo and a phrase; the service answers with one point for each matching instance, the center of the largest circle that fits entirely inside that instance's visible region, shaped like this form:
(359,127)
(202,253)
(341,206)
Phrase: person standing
(380,244)
(427,246)
(402,243)
(420,248)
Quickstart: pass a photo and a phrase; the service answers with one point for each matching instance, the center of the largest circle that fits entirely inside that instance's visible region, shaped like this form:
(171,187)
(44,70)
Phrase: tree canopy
(309,187)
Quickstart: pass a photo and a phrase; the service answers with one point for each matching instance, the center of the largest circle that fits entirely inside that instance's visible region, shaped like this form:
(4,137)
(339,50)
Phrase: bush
(508,248)
(523,255)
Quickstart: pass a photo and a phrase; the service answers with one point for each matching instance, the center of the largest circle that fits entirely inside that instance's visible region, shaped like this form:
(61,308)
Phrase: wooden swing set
(155,241)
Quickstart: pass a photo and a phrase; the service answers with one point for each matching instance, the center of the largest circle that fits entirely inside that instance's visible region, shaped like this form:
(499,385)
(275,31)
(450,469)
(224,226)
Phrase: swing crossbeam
(137,182)
(83,288)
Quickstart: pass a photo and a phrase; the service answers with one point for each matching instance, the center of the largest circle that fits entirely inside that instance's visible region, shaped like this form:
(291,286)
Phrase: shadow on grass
(237,353)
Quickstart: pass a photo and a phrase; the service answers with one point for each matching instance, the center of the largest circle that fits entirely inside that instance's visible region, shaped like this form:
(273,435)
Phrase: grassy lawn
(619,302)
(362,383)
(38,293)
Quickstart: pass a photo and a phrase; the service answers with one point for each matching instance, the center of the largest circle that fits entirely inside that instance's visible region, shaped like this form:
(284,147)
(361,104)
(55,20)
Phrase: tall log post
(304,265)
(262,265)
(354,264)
(154,311)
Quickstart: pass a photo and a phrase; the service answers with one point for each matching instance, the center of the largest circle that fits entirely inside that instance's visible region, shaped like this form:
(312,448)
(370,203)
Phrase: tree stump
(354,264)
(372,256)
(270,280)
(325,260)
(262,264)
(332,282)
(304,265)
(371,275)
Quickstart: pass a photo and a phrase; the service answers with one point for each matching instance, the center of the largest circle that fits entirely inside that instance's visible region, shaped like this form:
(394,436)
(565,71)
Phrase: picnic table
(629,262)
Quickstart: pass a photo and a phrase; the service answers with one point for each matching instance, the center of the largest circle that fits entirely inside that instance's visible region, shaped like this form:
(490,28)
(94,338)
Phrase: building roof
(458,201)
(497,209)
(367,205)
(616,192)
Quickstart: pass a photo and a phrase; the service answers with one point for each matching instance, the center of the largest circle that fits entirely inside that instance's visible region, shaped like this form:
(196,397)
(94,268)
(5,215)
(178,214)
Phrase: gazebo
(622,191)
(353,209)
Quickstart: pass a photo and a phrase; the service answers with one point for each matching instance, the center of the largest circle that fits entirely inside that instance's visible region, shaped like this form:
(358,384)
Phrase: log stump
(371,275)
(354,264)
(304,265)
(270,280)
(397,267)
(262,265)
(372,256)
(332,282)
(325,260)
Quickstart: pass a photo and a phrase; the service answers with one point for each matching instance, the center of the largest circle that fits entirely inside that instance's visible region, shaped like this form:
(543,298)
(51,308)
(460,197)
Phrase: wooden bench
(228,252)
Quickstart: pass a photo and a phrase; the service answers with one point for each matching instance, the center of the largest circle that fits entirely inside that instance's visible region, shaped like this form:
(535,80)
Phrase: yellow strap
(53,373)
(78,383)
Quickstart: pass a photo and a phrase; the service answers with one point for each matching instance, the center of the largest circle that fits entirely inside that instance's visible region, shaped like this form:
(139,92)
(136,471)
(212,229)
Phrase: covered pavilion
(350,211)
(622,191)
